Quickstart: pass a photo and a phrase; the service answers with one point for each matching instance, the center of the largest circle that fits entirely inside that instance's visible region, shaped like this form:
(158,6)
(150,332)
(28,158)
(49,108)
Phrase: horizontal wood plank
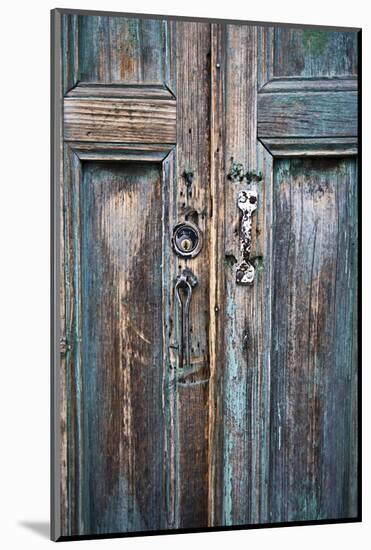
(307,114)
(133,91)
(297,84)
(138,119)
(305,147)
(143,152)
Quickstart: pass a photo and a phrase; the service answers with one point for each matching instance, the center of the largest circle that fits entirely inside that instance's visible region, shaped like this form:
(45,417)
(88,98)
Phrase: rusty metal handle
(246,202)
(183,290)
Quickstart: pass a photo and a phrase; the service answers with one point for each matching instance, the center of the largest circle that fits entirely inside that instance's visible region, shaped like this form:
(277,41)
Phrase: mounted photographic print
(205,254)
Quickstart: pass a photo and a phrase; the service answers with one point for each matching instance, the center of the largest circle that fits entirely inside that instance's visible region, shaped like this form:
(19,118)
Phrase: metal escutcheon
(187,240)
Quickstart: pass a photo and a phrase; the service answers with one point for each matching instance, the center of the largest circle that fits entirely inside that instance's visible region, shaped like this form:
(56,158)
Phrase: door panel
(121,256)
(313,421)
(314,53)
(117,49)
(162,121)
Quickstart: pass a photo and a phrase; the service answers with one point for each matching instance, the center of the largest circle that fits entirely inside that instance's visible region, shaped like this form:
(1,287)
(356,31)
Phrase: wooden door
(160,121)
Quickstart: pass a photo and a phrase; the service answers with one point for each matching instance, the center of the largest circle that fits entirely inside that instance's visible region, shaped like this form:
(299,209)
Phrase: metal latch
(184,284)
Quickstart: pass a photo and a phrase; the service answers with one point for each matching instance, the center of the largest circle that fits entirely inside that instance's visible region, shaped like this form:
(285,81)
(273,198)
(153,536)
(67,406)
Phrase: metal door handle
(247,202)
(183,290)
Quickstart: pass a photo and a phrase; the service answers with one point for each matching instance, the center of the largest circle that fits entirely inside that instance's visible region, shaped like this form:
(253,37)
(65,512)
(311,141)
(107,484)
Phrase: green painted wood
(307,114)
(314,52)
(289,431)
(313,379)
(121,345)
(262,427)
(238,392)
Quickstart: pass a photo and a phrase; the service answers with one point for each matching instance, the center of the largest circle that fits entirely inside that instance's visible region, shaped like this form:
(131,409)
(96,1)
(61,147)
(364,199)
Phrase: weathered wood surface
(217,273)
(192,202)
(314,52)
(90,150)
(120,120)
(278,426)
(262,427)
(119,49)
(307,114)
(126,91)
(311,147)
(310,84)
(313,455)
(121,350)
(115,476)
(242,419)
(106,49)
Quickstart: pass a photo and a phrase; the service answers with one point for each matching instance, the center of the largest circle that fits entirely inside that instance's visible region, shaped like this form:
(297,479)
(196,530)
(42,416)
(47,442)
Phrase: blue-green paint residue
(235,400)
(315,41)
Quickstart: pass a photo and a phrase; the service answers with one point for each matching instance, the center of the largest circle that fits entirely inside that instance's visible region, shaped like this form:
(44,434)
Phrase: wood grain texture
(119,49)
(217,274)
(127,91)
(193,202)
(244,371)
(141,152)
(262,426)
(311,147)
(314,52)
(69,51)
(71,422)
(256,467)
(120,120)
(114,476)
(104,49)
(307,114)
(121,347)
(310,84)
(313,419)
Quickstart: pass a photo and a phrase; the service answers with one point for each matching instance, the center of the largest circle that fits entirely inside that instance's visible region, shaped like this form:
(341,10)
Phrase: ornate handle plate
(247,202)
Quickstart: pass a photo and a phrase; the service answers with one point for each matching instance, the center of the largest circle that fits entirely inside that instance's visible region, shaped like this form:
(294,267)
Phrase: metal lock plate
(186,240)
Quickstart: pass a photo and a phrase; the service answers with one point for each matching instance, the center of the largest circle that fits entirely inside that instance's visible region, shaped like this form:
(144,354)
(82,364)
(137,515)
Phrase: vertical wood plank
(193,150)
(247,315)
(152,50)
(93,48)
(69,51)
(217,266)
(125,50)
(72,308)
(169,270)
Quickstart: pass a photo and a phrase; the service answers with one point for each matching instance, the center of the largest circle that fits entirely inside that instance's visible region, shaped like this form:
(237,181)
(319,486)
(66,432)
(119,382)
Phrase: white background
(24,270)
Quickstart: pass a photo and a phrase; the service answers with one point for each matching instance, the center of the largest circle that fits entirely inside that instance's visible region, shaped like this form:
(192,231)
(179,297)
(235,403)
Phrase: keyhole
(186,244)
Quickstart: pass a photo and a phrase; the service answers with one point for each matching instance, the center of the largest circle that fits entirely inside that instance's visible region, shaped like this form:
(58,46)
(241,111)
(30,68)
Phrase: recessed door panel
(313,384)
(121,348)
